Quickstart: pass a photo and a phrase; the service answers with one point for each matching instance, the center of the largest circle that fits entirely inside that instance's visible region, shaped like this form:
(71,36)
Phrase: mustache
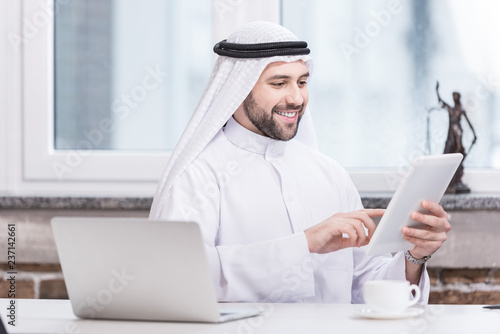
(289,107)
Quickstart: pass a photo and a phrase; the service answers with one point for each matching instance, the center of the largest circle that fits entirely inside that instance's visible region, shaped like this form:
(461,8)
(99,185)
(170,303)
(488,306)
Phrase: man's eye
(278,84)
(303,82)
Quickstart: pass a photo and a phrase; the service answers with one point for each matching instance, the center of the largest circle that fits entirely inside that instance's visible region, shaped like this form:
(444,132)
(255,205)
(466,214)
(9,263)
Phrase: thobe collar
(251,141)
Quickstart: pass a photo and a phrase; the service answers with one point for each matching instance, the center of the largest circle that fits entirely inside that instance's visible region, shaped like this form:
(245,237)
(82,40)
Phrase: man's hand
(327,236)
(429,239)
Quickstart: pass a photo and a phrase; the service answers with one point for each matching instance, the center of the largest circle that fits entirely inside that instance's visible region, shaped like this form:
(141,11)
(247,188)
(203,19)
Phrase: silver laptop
(133,268)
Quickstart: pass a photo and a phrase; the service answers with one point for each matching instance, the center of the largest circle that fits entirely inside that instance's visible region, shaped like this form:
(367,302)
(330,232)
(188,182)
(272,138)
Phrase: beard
(267,124)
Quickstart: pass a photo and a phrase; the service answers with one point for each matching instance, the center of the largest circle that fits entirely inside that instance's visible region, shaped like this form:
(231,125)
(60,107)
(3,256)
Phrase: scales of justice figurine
(454,140)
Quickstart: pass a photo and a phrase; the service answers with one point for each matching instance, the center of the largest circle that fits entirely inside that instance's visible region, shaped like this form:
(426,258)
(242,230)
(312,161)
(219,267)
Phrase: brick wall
(448,286)
(464,286)
(38,273)
(464,271)
(44,281)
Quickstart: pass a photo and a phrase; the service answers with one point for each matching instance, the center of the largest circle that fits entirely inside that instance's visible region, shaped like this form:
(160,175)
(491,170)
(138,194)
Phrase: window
(378,64)
(99,91)
(124,69)
(373,93)
(118,73)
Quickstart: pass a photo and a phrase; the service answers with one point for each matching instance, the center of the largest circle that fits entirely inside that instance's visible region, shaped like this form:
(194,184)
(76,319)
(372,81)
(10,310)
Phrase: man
(280,221)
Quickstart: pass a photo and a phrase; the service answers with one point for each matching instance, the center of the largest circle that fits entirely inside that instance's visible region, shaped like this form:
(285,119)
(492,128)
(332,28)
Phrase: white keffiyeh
(231,81)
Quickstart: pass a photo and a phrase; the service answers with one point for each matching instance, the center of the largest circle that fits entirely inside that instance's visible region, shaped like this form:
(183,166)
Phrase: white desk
(56,316)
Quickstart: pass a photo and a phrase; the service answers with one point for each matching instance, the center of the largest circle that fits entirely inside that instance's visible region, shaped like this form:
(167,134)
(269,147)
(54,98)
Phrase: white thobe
(253,197)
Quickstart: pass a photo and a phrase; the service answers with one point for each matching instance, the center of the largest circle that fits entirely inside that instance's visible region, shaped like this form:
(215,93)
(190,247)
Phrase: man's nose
(294,95)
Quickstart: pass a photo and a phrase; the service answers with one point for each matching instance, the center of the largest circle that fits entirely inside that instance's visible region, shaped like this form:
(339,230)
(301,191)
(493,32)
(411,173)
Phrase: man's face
(277,102)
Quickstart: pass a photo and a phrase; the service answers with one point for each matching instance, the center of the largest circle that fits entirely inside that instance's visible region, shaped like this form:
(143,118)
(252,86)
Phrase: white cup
(390,297)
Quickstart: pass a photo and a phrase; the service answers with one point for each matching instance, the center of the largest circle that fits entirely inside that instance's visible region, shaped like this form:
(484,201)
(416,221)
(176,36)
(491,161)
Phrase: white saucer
(366,312)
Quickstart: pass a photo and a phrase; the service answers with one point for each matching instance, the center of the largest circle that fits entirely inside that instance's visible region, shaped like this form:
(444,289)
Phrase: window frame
(26,148)
(4,163)
(41,161)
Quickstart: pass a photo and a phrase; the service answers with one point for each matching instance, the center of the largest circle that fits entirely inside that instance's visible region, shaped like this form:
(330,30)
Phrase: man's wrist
(415,260)
(310,242)
(413,271)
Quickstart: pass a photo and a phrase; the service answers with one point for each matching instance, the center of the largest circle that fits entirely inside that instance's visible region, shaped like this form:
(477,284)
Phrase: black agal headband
(261,50)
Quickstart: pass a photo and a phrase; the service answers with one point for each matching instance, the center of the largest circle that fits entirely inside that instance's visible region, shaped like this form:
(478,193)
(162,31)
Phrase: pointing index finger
(373,212)
(370,224)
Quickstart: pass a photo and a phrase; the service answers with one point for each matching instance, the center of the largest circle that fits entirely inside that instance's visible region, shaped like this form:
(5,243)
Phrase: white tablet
(426,179)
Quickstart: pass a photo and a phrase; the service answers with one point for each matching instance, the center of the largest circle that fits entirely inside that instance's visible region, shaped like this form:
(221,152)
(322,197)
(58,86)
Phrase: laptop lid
(130,268)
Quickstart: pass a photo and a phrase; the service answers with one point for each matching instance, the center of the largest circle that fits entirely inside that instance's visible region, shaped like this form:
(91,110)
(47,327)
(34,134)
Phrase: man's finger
(438,223)
(434,208)
(431,246)
(423,234)
(429,220)
(360,231)
(351,231)
(373,212)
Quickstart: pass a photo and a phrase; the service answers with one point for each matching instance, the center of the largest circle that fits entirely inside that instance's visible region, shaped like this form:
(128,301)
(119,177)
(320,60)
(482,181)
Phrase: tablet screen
(426,179)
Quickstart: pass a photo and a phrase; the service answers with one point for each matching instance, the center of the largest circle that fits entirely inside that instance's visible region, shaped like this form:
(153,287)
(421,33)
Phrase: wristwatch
(415,260)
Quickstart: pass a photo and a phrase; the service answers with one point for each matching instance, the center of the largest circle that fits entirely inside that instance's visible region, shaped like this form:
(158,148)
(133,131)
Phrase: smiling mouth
(287,114)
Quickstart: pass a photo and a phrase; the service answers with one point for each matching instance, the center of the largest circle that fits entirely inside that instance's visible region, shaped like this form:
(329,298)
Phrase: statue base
(457,188)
